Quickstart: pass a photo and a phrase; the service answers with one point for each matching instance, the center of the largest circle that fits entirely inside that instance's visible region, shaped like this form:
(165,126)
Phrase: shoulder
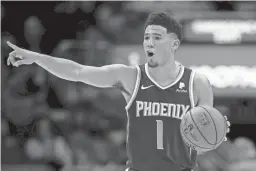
(200,80)
(120,72)
(126,72)
(128,76)
(202,89)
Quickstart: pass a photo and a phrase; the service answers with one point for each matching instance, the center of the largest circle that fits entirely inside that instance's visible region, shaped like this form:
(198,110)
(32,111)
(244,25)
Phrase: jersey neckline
(169,85)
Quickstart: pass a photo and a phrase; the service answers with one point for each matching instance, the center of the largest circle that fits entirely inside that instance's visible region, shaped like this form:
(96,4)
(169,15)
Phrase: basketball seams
(216,132)
(225,129)
(193,145)
(199,129)
(191,141)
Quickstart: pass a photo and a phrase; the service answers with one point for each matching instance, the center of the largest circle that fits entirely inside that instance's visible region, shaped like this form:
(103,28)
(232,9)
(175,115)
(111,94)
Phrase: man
(158,94)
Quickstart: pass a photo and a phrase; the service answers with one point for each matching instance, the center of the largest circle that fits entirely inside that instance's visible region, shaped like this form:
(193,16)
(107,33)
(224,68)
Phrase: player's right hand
(21,56)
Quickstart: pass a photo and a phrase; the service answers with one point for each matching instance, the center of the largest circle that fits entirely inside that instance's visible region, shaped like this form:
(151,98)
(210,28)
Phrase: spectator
(215,160)
(2,11)
(5,50)
(24,93)
(80,140)
(246,147)
(26,89)
(102,150)
(33,32)
(48,146)
(11,151)
(243,155)
(118,146)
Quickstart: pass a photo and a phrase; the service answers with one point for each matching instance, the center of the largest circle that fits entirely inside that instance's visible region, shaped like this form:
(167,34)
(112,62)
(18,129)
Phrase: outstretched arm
(105,76)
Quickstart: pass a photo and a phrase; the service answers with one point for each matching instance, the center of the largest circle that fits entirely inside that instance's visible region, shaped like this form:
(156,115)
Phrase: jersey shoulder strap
(136,87)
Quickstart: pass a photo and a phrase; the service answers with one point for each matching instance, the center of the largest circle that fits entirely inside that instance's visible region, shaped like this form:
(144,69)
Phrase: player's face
(157,45)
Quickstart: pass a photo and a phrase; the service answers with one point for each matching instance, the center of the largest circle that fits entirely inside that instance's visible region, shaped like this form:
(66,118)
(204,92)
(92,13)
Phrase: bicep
(105,76)
(203,90)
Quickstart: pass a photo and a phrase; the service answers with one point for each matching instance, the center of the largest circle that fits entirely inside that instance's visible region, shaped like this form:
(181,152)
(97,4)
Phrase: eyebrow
(158,34)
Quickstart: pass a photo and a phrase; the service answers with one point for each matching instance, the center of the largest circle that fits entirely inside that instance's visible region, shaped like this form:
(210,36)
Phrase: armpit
(120,87)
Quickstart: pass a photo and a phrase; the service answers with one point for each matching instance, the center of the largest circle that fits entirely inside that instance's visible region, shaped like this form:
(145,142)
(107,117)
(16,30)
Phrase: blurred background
(49,124)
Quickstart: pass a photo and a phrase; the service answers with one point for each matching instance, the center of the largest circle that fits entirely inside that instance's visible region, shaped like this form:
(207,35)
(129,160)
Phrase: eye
(158,38)
(146,37)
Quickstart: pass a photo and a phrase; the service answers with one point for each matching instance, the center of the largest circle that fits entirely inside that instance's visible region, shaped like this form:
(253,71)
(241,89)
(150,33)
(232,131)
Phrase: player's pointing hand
(21,56)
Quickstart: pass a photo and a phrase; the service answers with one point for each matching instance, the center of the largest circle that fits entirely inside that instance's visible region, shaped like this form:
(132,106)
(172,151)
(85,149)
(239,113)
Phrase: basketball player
(158,94)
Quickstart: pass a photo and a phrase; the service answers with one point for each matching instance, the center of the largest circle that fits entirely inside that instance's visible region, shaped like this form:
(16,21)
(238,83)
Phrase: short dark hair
(165,20)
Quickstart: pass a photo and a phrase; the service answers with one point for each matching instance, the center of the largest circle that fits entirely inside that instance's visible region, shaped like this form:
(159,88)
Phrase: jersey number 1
(159,134)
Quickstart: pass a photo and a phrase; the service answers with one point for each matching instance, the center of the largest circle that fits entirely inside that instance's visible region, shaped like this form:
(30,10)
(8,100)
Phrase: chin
(152,64)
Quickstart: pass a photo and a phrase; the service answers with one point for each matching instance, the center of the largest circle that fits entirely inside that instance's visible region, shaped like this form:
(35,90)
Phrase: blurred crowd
(61,124)
(46,120)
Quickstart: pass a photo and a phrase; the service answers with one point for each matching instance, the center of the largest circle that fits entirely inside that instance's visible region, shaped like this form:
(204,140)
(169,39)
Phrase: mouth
(150,54)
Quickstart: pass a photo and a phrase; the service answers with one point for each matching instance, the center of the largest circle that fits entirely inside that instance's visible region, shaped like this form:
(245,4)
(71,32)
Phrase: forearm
(62,68)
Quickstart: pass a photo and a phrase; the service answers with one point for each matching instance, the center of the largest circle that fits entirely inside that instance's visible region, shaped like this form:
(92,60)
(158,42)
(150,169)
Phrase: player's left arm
(203,93)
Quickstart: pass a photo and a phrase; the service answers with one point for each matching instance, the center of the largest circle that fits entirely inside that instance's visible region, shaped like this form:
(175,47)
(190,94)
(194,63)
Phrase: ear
(176,44)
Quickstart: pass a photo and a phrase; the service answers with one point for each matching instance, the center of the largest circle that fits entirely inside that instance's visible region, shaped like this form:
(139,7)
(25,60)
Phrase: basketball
(203,128)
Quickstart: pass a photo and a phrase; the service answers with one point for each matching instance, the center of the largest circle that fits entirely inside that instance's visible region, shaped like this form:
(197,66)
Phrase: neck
(165,73)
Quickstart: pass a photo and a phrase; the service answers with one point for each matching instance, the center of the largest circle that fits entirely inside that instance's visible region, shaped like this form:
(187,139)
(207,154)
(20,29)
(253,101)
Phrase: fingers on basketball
(228,124)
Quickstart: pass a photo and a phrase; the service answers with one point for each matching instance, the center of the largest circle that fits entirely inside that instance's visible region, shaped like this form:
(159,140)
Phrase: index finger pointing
(13,46)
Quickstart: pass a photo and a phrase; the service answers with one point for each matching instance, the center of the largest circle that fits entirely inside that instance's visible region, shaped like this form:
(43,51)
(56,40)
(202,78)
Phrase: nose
(150,43)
